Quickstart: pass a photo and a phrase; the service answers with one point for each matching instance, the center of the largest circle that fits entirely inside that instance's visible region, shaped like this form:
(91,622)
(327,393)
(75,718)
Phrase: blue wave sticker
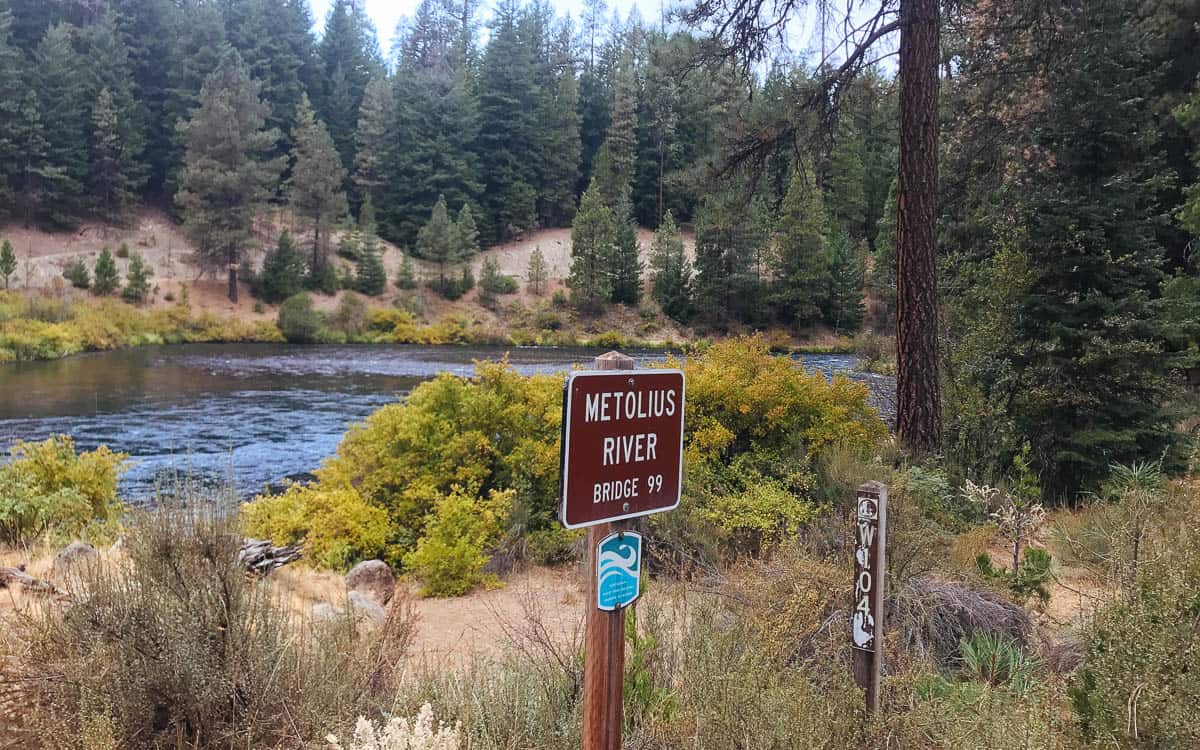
(618,570)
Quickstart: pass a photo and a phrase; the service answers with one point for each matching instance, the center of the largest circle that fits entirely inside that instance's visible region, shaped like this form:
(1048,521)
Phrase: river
(245,415)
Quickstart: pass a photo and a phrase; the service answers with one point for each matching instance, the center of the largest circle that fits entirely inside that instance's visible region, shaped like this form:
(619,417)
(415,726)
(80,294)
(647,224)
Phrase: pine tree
(507,120)
(350,58)
(845,310)
(593,236)
(282,272)
(116,172)
(406,278)
(802,262)
(116,177)
(8,261)
(12,95)
(536,275)
(625,265)
(559,144)
(671,272)
(847,200)
(436,240)
(369,275)
(620,142)
(197,50)
(490,281)
(105,276)
(137,280)
(371,139)
(732,242)
(314,189)
(882,278)
(58,77)
(227,173)
(465,236)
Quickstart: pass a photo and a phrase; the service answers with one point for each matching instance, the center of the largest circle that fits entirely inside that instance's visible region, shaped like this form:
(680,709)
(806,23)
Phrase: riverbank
(43,325)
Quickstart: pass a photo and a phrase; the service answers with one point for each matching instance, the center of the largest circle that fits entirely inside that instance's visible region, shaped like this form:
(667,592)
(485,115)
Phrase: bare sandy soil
(42,256)
(480,624)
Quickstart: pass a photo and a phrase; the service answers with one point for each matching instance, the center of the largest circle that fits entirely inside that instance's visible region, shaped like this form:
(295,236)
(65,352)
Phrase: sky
(385,14)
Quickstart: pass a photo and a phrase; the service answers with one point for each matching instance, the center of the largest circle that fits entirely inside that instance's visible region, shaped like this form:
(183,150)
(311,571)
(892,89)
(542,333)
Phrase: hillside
(42,257)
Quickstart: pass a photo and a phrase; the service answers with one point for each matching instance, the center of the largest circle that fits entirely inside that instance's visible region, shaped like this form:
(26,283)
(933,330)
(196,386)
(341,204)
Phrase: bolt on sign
(618,570)
(869,527)
(622,446)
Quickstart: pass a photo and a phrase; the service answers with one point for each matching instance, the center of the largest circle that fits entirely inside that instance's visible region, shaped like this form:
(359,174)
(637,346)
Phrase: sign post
(866,621)
(622,457)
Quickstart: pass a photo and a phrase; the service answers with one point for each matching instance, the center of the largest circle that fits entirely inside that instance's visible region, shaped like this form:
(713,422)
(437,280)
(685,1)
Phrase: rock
(373,578)
(366,608)
(72,555)
(326,612)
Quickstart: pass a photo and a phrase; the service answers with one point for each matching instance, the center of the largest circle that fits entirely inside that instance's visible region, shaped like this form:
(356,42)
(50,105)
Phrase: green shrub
(77,273)
(137,279)
(997,660)
(47,489)
(298,321)
(552,546)
(450,556)
(123,251)
(105,277)
(323,278)
(351,316)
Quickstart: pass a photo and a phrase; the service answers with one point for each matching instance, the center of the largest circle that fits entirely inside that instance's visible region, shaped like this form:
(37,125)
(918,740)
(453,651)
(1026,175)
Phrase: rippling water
(248,414)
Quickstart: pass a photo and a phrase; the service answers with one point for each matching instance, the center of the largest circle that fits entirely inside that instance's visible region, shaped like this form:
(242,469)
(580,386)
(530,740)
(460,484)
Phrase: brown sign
(622,445)
(866,618)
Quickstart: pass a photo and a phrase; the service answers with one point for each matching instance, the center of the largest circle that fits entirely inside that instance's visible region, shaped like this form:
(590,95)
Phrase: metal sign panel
(869,527)
(622,453)
(618,570)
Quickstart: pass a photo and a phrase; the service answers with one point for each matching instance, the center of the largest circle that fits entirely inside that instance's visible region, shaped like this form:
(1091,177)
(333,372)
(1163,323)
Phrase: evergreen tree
(350,58)
(12,121)
(314,189)
(59,177)
(434,134)
(492,282)
(625,265)
(882,279)
(406,278)
(282,272)
(802,264)
(116,171)
(657,135)
(671,271)
(104,274)
(847,198)
(508,112)
(1188,115)
(620,143)
(371,139)
(436,241)
(593,236)
(732,241)
(465,236)
(227,174)
(274,38)
(137,280)
(8,261)
(197,50)
(369,275)
(536,275)
(366,216)
(845,311)
(559,144)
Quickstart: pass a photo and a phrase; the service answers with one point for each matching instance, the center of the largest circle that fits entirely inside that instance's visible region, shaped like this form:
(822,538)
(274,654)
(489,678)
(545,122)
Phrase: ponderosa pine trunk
(233,275)
(918,392)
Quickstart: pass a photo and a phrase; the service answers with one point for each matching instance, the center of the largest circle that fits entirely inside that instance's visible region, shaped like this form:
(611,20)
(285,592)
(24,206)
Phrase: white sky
(386,13)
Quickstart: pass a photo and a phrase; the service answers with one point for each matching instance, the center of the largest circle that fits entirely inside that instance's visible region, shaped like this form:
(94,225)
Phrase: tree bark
(918,392)
(233,275)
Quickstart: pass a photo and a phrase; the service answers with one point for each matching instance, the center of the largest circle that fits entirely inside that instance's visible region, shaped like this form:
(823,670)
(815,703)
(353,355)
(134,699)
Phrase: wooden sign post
(622,454)
(866,620)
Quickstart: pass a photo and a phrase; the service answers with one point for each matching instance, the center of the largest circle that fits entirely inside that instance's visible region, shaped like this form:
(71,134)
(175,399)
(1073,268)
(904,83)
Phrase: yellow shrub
(33,339)
(450,557)
(336,526)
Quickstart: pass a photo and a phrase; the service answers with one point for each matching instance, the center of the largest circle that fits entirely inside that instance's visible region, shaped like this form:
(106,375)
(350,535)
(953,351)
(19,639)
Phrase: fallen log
(261,557)
(29,584)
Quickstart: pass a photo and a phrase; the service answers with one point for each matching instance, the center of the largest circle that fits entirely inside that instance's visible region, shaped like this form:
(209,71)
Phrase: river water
(246,415)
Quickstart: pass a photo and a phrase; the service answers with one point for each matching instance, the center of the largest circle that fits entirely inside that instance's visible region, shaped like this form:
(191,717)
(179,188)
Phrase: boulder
(72,555)
(366,608)
(373,578)
(326,612)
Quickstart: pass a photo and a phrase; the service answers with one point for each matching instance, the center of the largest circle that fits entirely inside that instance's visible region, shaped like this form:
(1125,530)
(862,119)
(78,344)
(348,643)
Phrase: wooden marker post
(866,620)
(604,634)
(622,458)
